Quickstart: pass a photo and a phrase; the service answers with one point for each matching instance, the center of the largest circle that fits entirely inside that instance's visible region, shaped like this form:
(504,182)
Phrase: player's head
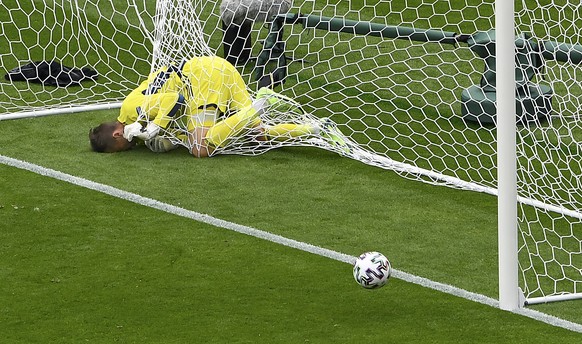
(108,138)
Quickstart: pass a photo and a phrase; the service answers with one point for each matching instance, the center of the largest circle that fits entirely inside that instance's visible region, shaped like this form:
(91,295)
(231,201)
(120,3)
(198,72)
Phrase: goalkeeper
(186,105)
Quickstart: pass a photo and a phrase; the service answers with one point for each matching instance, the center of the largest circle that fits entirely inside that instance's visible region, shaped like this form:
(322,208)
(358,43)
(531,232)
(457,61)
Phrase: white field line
(152,203)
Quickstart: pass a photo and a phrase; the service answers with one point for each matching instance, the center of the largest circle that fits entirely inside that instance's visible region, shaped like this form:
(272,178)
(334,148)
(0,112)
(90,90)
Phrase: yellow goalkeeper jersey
(202,82)
(214,81)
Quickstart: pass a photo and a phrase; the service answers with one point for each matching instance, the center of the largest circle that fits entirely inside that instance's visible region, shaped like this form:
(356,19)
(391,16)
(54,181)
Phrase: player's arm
(130,113)
(160,109)
(165,107)
(159,78)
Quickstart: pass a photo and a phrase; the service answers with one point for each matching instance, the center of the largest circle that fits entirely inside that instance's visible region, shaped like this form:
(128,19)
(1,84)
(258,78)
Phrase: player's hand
(160,144)
(132,130)
(149,132)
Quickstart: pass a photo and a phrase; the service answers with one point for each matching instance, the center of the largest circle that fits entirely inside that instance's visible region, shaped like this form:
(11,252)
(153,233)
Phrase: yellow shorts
(205,117)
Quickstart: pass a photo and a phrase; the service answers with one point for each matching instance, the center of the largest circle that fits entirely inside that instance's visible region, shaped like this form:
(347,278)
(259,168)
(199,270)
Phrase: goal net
(106,36)
(410,84)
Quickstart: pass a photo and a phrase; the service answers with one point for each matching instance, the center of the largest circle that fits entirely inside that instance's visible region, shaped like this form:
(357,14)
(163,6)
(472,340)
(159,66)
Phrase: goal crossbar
(60,111)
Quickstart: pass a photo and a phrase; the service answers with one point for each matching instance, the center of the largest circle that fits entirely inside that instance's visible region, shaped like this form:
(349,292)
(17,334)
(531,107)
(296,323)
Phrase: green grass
(80,265)
(99,268)
(130,274)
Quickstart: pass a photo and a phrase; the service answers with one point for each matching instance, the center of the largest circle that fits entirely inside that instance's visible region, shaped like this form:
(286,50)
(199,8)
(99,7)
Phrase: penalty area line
(278,239)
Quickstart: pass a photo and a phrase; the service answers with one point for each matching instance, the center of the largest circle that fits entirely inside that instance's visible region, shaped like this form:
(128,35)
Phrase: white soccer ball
(372,270)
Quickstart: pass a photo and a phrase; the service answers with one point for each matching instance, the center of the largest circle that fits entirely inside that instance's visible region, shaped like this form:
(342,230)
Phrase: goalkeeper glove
(132,130)
(149,131)
(160,144)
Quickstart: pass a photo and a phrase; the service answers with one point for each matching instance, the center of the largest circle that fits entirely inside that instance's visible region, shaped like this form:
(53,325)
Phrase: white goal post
(509,297)
(477,95)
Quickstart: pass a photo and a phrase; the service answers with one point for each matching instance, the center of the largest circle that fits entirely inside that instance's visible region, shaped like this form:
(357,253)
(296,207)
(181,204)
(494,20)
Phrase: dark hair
(101,138)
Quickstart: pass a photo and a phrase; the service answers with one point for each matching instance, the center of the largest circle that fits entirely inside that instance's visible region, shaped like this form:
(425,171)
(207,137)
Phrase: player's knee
(199,151)
(215,138)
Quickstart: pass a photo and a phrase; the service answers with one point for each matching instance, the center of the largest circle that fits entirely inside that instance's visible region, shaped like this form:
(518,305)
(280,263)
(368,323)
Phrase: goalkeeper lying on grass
(204,105)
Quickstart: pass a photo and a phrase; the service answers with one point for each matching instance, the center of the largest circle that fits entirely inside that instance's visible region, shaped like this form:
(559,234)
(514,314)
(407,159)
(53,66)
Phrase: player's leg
(329,131)
(199,123)
(276,102)
(285,131)
(199,147)
(323,128)
(247,118)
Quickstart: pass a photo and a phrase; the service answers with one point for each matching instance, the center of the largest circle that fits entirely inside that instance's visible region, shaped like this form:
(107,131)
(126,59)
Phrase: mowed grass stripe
(204,218)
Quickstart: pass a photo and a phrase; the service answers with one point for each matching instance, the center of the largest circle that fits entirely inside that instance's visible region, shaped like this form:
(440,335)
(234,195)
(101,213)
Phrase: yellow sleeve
(129,111)
(130,106)
(162,108)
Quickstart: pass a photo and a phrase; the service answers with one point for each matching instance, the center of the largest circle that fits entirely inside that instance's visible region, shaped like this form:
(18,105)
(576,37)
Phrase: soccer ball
(372,270)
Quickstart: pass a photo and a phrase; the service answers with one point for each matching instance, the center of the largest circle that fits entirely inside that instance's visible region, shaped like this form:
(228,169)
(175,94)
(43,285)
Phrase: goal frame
(506,157)
(510,295)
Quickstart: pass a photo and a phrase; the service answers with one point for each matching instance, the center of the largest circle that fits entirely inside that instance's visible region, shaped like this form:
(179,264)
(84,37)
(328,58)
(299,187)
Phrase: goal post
(506,156)
(529,74)
(477,95)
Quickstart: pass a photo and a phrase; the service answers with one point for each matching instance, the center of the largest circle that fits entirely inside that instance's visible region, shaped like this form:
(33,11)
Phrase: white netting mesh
(408,99)
(179,37)
(549,162)
(104,35)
